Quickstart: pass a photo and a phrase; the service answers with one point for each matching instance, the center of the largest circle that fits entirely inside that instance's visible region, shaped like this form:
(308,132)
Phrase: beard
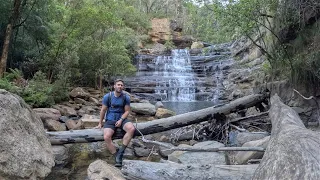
(118,90)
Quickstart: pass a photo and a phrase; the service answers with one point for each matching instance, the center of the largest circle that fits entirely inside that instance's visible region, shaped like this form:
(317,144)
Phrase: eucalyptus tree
(23,31)
(92,40)
(203,24)
(13,17)
(159,8)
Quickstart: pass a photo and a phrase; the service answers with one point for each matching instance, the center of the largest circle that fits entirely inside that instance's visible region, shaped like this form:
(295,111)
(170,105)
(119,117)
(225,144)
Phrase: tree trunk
(6,43)
(293,151)
(92,135)
(4,56)
(161,171)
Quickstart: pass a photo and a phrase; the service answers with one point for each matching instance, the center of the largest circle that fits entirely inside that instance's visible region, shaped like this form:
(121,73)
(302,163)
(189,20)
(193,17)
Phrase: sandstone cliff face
(25,150)
(164,30)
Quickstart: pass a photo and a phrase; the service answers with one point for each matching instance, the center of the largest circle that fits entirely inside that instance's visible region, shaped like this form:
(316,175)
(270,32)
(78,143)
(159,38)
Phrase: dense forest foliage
(48,46)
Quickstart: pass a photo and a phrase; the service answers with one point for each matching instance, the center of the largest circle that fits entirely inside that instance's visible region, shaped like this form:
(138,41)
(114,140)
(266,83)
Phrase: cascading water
(218,75)
(176,77)
(185,80)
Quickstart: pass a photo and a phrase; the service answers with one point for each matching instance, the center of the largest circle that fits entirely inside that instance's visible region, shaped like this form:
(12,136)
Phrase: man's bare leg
(129,129)
(107,136)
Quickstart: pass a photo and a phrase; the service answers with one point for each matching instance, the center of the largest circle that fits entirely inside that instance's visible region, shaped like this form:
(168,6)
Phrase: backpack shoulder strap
(124,98)
(109,99)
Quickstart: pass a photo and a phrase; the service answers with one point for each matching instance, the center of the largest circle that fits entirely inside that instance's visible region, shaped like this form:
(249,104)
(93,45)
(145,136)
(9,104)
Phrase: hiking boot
(119,156)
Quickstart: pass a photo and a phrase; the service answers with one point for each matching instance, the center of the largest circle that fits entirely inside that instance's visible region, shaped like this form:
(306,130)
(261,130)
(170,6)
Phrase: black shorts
(111,124)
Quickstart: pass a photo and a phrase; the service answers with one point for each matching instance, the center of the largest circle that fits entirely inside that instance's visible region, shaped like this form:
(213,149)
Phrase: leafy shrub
(5,84)
(7,81)
(59,91)
(39,91)
(169,45)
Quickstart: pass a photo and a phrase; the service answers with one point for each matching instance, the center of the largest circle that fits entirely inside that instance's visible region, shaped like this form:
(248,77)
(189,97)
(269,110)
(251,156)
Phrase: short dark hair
(118,80)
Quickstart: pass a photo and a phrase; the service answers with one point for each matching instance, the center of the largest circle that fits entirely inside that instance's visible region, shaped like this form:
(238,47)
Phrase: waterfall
(218,77)
(194,75)
(175,80)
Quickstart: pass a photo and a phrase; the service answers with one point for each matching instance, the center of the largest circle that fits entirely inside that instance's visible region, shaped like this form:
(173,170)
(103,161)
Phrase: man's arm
(126,111)
(127,108)
(124,115)
(103,111)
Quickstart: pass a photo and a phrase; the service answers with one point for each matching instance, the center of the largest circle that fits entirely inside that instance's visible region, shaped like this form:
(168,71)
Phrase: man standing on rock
(115,110)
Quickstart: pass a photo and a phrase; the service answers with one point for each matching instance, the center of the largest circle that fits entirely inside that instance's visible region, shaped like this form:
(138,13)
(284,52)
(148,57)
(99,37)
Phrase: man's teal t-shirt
(116,110)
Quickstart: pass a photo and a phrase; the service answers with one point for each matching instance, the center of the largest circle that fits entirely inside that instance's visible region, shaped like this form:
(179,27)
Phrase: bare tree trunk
(293,151)
(162,171)
(6,43)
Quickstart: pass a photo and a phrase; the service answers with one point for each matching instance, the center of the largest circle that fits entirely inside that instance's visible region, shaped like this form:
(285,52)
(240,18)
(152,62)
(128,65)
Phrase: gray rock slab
(25,149)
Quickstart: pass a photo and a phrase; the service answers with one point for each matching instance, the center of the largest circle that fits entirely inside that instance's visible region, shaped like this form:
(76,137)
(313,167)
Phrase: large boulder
(164,113)
(202,158)
(53,125)
(102,170)
(74,125)
(90,121)
(244,137)
(143,108)
(47,113)
(25,150)
(197,45)
(79,92)
(66,110)
(242,157)
(159,104)
(61,155)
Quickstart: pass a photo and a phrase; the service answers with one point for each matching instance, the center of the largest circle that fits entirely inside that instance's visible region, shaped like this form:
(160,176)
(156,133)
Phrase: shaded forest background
(49,46)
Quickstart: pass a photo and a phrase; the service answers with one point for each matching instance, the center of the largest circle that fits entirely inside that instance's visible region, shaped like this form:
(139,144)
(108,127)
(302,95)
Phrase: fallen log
(258,117)
(162,171)
(194,149)
(93,135)
(293,151)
